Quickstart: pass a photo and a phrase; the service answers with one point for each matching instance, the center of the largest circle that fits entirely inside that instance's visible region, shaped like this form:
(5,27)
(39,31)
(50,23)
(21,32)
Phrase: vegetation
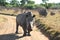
(44,23)
(29,4)
(3,2)
(14,3)
(2,19)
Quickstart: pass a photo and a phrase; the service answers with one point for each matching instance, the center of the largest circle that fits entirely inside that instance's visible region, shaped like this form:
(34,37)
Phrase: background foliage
(29,4)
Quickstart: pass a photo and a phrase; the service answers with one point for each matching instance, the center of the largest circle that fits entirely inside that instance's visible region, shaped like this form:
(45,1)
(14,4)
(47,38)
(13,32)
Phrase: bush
(8,5)
(47,5)
(29,6)
(42,12)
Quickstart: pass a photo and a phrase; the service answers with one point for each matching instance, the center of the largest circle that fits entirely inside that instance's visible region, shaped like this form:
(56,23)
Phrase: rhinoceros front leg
(17,28)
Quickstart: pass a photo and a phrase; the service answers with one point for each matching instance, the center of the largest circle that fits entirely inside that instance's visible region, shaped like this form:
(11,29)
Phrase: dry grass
(2,19)
(50,21)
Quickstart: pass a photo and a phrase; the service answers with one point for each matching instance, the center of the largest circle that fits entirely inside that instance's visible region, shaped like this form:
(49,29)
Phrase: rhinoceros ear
(33,16)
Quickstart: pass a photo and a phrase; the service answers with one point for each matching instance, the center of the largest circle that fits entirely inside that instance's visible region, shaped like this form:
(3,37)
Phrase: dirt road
(7,31)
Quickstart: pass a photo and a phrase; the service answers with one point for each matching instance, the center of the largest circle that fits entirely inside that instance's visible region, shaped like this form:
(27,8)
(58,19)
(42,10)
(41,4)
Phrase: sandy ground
(7,31)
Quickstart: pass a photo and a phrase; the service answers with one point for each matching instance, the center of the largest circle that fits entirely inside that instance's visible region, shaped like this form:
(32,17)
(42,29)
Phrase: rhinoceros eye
(26,15)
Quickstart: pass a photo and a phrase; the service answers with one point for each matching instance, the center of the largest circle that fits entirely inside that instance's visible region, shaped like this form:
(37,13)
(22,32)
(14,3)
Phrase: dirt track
(7,31)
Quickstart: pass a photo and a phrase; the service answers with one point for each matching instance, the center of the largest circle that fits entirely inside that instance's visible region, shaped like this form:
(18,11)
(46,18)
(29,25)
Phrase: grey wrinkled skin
(24,20)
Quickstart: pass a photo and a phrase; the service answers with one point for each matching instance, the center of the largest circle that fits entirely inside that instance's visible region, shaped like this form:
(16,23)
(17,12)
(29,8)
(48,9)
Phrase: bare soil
(8,28)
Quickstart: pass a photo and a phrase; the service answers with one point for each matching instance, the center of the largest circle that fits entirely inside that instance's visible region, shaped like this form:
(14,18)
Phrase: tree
(8,5)
(45,1)
(30,2)
(30,5)
(2,2)
(27,4)
(14,3)
(47,5)
(23,2)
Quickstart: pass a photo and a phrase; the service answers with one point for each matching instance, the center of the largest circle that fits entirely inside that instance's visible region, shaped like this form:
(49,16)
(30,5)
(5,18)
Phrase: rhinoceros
(24,20)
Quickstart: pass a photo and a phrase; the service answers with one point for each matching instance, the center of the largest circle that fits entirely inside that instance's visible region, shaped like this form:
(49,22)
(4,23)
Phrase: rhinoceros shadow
(10,37)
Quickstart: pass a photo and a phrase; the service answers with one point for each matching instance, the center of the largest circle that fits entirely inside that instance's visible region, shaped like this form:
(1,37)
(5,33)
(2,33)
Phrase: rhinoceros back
(21,19)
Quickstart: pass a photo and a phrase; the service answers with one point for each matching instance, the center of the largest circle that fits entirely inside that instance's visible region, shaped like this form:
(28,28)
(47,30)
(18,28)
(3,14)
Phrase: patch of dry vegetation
(2,19)
(50,23)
